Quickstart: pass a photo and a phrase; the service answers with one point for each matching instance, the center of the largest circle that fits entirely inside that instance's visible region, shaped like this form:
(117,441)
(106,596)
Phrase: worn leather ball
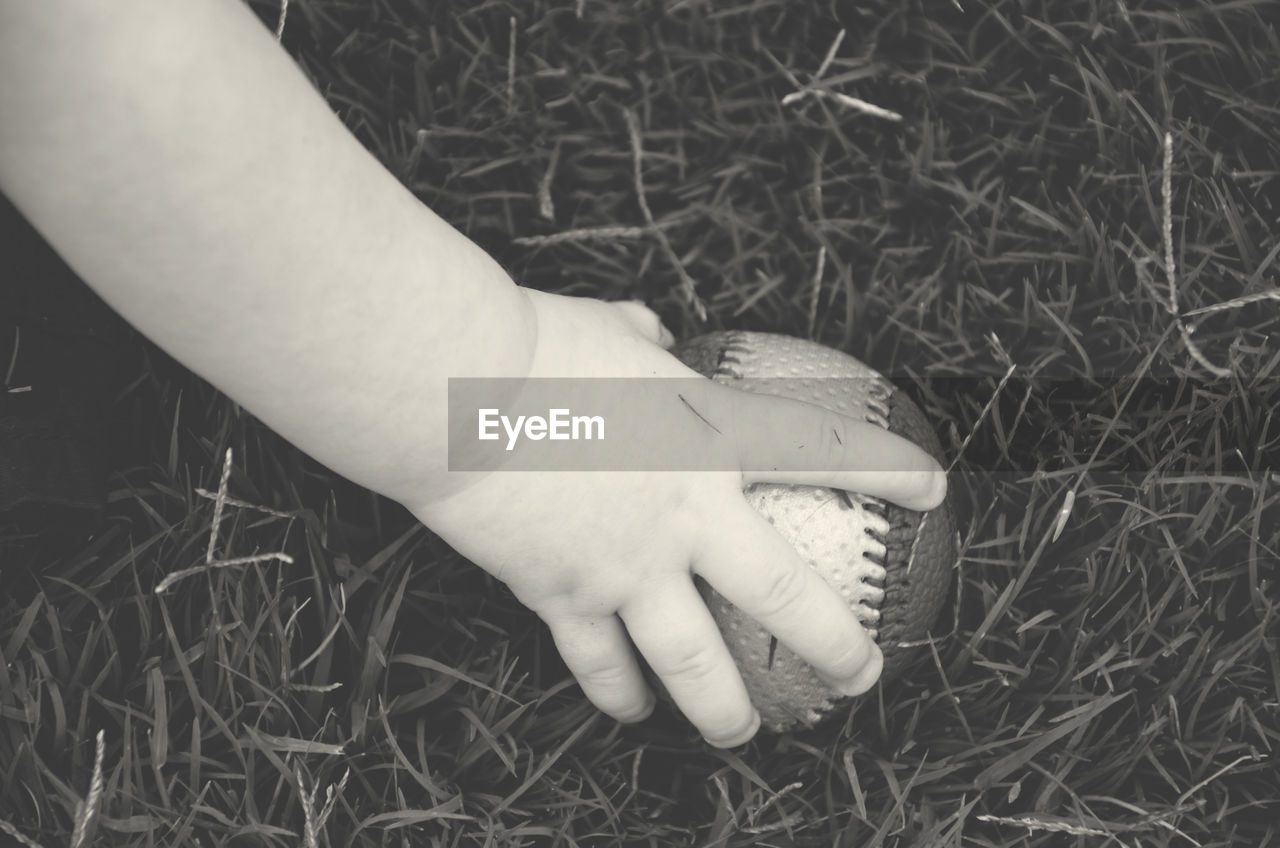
(892,565)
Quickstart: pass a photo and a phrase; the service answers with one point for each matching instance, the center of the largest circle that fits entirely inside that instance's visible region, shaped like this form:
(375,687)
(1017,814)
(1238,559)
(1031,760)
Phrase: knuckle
(826,429)
(605,674)
(631,713)
(735,730)
(783,588)
(835,440)
(689,662)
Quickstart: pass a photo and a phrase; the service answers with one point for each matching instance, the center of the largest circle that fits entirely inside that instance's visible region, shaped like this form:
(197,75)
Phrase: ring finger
(678,637)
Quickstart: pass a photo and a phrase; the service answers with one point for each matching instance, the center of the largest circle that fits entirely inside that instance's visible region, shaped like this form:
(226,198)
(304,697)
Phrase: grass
(1108,672)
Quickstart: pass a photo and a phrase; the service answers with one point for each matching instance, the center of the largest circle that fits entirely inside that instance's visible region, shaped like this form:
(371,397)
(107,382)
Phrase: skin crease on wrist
(179,161)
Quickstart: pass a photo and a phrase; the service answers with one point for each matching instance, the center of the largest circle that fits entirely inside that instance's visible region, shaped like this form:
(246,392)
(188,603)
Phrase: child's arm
(180,163)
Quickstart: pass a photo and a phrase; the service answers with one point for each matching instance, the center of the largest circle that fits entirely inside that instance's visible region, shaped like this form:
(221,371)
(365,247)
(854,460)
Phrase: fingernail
(643,713)
(856,686)
(864,680)
(740,739)
(938,491)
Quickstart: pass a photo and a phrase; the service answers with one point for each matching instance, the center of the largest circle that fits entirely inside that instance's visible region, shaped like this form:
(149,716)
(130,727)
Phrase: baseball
(892,565)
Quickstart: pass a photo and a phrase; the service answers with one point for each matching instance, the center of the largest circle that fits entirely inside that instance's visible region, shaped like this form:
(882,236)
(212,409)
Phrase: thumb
(645,321)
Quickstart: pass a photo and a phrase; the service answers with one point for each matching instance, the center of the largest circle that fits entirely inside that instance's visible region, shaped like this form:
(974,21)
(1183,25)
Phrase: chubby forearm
(186,169)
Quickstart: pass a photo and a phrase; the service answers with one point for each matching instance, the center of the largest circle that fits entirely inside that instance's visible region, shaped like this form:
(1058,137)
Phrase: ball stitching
(734,352)
(730,357)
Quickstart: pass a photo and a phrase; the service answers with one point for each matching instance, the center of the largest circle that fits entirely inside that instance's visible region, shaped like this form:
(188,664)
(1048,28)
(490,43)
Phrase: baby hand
(608,559)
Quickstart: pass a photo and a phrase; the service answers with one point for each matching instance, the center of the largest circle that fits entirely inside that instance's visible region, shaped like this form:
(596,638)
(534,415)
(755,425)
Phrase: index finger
(780,440)
(811,414)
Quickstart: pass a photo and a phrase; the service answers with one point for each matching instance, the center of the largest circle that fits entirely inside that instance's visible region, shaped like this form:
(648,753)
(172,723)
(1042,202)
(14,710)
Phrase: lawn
(1054,225)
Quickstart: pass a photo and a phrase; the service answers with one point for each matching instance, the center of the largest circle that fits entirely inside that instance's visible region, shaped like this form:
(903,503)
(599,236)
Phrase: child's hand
(606,556)
(315,304)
